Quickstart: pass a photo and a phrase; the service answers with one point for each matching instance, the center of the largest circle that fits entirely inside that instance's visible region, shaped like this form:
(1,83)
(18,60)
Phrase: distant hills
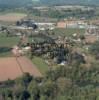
(14,3)
(73,2)
(20,3)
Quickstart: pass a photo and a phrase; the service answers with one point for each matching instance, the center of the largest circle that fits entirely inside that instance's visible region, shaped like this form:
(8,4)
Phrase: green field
(68,31)
(6,43)
(41,65)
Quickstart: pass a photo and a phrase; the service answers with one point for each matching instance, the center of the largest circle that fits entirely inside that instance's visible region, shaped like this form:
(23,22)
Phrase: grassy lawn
(68,32)
(41,65)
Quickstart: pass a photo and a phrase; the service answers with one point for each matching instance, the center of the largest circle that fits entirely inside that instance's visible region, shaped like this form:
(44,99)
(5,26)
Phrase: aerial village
(38,39)
(49,52)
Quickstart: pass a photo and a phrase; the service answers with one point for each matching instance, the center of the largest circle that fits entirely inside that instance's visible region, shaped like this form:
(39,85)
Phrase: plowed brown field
(12,67)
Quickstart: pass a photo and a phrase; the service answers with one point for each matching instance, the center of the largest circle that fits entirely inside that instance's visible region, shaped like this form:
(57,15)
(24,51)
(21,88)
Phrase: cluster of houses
(80,24)
(71,24)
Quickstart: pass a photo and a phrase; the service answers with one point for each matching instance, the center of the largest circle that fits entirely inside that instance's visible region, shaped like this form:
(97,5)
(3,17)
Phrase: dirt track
(11,68)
